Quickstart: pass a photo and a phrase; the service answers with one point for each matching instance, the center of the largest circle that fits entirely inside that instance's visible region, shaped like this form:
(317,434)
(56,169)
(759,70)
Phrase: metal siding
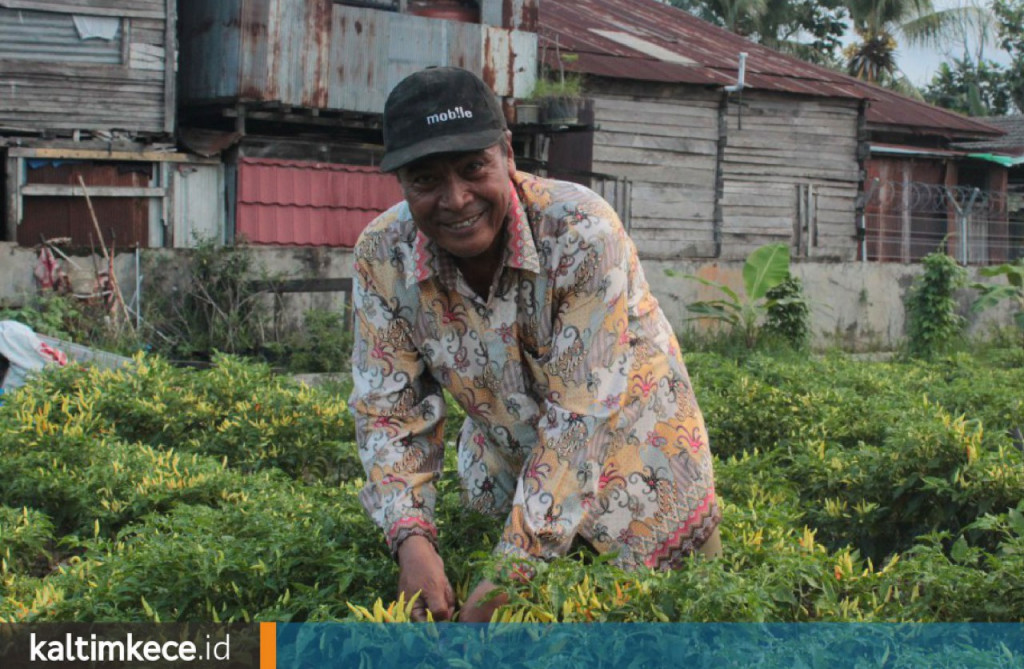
(257,33)
(359,50)
(322,55)
(52,37)
(303,203)
(210,44)
(198,203)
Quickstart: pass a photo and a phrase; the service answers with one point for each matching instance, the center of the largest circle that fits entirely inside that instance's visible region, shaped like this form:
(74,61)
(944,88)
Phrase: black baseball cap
(439,110)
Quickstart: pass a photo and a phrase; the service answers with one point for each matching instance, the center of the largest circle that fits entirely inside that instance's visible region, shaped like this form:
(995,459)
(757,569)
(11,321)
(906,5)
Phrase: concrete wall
(858,306)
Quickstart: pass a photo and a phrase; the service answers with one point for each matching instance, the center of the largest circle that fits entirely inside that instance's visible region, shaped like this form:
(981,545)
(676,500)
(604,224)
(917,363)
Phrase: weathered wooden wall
(707,182)
(668,148)
(790,174)
(54,81)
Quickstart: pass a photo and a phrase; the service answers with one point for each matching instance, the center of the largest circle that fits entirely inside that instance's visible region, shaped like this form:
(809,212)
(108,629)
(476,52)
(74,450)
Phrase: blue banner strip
(650,645)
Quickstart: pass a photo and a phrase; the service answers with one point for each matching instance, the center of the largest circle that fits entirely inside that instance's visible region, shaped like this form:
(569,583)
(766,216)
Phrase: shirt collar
(520,250)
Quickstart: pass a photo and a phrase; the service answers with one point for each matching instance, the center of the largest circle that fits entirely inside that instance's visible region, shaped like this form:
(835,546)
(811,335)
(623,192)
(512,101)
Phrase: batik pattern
(580,415)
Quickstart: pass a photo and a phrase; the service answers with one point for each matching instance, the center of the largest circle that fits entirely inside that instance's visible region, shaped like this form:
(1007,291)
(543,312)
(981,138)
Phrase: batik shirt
(580,417)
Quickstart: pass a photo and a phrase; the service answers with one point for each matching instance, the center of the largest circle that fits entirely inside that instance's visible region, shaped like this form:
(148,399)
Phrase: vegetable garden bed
(852,491)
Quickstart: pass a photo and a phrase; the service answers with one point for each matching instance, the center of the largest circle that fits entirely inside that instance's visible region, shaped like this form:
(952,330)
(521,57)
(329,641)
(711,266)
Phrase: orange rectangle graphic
(268,645)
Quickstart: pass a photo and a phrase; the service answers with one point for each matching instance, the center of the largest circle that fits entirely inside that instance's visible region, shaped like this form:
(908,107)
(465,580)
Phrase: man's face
(459,200)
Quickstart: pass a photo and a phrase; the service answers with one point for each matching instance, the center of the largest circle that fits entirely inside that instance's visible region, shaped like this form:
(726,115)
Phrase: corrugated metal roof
(289,202)
(1011,143)
(582,27)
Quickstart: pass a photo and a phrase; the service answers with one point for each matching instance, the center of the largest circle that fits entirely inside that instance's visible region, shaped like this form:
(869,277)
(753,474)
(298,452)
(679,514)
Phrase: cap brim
(473,141)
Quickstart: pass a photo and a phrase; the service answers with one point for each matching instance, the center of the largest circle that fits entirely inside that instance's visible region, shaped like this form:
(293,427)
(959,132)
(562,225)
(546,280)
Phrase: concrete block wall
(856,306)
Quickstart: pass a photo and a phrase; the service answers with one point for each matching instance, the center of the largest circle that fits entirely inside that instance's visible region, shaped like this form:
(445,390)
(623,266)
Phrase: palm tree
(877,22)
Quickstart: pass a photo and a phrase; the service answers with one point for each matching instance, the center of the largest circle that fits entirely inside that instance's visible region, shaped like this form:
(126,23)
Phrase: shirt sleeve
(399,412)
(581,381)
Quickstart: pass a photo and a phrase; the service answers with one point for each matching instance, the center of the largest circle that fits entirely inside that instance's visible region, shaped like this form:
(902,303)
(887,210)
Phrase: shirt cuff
(403,528)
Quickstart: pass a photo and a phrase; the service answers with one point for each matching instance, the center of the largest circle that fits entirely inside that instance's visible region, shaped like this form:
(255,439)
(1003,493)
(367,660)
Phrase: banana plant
(765,268)
(994,293)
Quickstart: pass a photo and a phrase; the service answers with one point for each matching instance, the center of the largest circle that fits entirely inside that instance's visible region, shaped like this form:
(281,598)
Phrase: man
(524,298)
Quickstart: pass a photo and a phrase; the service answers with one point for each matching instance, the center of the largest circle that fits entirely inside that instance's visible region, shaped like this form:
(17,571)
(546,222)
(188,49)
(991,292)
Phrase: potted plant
(559,98)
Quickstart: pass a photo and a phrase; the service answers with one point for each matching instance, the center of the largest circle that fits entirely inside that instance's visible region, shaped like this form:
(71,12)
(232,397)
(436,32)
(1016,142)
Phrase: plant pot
(527,113)
(560,111)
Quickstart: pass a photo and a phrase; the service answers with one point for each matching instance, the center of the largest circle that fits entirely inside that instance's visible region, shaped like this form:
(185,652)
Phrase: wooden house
(89,108)
(1008,150)
(719,158)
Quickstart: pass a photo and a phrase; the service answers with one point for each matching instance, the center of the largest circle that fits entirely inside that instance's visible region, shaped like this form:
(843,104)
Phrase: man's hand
(476,610)
(421,570)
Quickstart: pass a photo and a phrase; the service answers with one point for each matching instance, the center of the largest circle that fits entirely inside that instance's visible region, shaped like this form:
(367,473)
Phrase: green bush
(789,315)
(933,325)
(851,491)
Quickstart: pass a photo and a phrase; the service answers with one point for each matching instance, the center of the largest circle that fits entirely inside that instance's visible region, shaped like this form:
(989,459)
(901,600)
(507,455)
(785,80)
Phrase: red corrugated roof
(290,202)
(582,27)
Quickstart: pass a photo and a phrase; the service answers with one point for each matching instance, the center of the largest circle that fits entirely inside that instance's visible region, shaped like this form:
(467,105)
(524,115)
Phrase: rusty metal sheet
(318,54)
(210,50)
(371,51)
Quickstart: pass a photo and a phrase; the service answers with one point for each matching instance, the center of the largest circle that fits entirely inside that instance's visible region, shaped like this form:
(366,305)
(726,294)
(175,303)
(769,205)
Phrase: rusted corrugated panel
(210,67)
(320,54)
(300,52)
(372,51)
(123,221)
(889,108)
(303,203)
(587,28)
(257,27)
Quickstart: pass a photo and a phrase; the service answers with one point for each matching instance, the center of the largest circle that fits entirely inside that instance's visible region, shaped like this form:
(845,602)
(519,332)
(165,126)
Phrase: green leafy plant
(49,314)
(1012,291)
(934,325)
(788,313)
(210,304)
(850,491)
(322,345)
(764,269)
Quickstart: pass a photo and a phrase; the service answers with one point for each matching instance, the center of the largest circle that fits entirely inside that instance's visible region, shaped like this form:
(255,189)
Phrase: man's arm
(399,413)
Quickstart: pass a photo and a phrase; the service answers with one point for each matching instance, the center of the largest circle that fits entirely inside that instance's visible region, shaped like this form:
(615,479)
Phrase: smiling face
(460,200)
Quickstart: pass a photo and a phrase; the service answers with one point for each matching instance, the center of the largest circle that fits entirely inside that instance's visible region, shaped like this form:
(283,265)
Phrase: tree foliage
(808,29)
(978,86)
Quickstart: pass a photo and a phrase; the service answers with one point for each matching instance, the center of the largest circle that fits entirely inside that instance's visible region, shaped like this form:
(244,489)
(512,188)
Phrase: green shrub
(322,345)
(788,317)
(850,491)
(26,539)
(933,324)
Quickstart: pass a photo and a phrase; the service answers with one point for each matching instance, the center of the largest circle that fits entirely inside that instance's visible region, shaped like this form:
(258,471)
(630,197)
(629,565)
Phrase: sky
(919,64)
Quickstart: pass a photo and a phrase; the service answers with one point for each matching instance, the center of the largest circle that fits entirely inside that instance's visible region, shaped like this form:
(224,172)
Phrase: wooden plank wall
(134,96)
(790,174)
(668,148)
